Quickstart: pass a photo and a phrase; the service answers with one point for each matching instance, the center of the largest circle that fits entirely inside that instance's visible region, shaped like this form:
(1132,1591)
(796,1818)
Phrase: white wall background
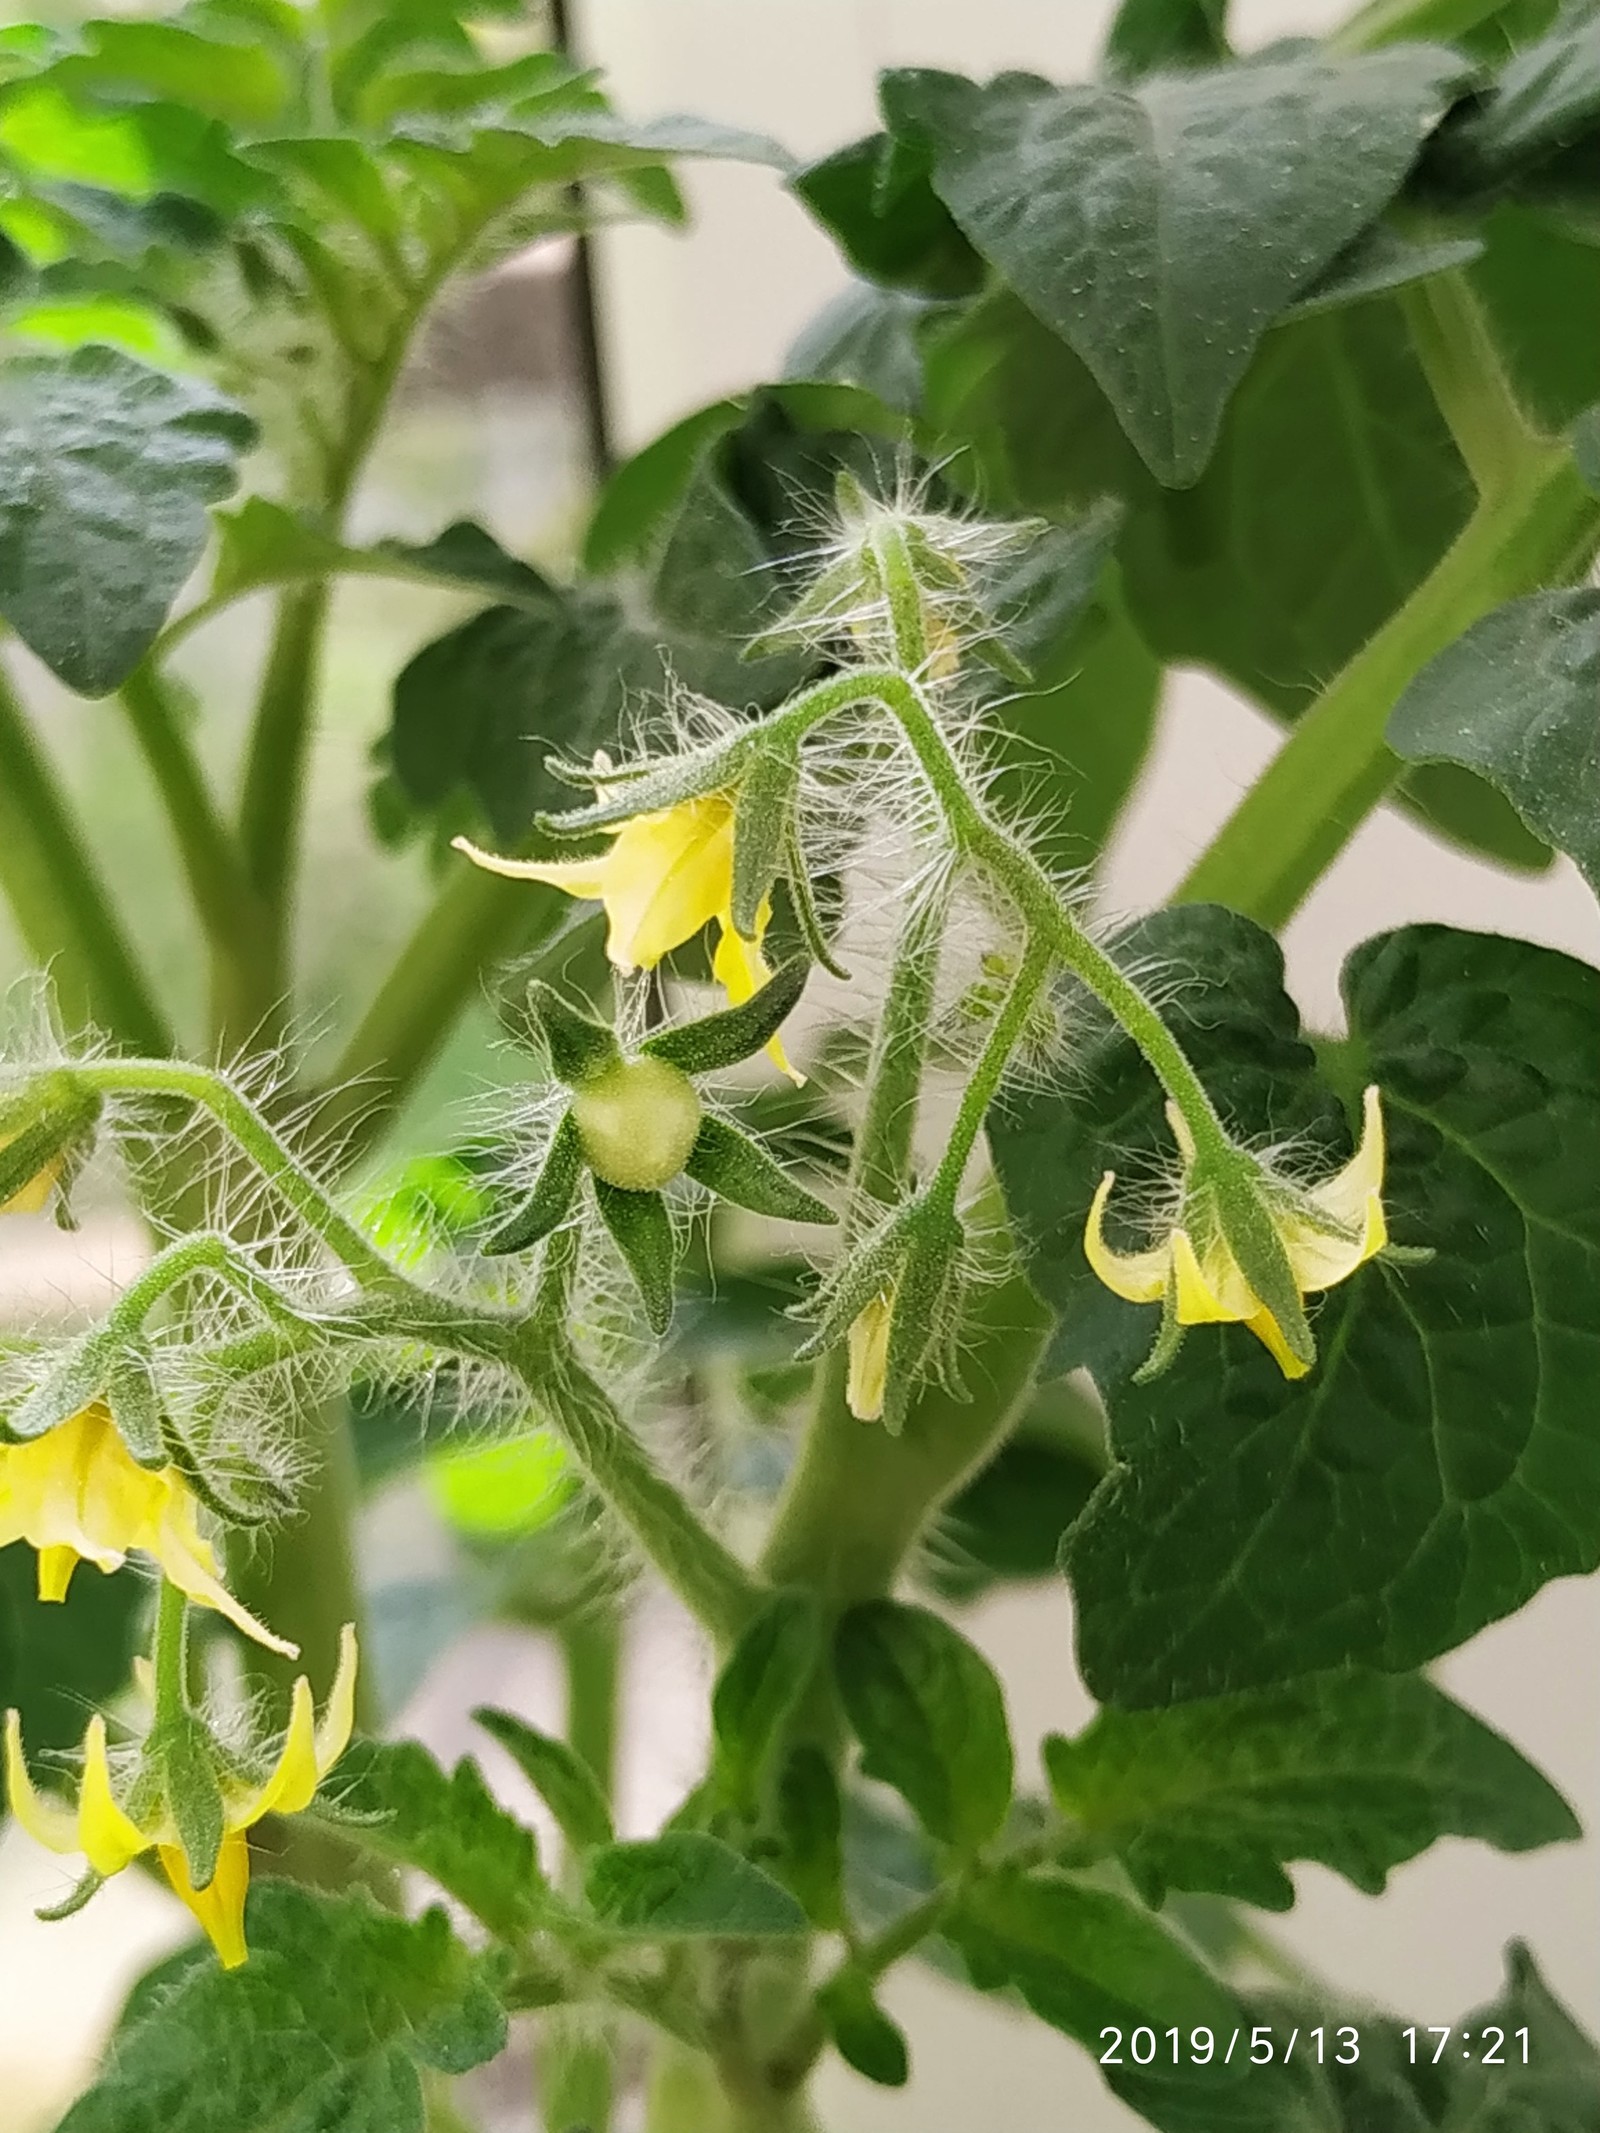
(688,317)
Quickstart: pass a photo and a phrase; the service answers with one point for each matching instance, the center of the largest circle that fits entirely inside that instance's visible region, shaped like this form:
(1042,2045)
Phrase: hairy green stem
(882,1159)
(170,1657)
(998,1050)
(54,887)
(1536,528)
(1468,381)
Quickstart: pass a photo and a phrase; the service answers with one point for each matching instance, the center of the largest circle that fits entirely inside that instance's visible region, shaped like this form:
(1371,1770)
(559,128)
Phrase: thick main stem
(1336,766)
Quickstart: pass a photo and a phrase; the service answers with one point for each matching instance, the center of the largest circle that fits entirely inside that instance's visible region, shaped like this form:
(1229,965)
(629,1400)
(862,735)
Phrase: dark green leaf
(321,2032)
(448,1825)
(1381,260)
(1084,1959)
(1359,1771)
(1007,1523)
(1150,35)
(865,2037)
(1439,1465)
(1515,700)
(641,1229)
(106,469)
(688,1883)
(1586,448)
(263,544)
(804,1844)
(1541,286)
(1558,2091)
(930,1717)
(1545,99)
(1140,224)
(875,200)
(769,1670)
(565,1783)
(867,337)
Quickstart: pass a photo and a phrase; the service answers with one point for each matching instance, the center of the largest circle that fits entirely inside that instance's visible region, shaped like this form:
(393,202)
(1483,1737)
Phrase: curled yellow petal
(1352,1200)
(220,1905)
(583,878)
(107,1837)
(186,1557)
(869,1358)
(668,875)
(56,1566)
(293,1782)
(46,1821)
(1270,1334)
(1140,1277)
(339,1712)
(34,1197)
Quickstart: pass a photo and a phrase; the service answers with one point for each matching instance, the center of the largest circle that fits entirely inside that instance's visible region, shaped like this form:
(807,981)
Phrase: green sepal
(931,569)
(51,1914)
(865,2036)
(823,610)
(580,1048)
(1168,1340)
(722,1040)
(129,1391)
(652,791)
(75,1383)
(1240,1210)
(925,1311)
(546,1206)
(52,1123)
(805,909)
(193,1794)
(641,1229)
(867,1271)
(762,815)
(248,1497)
(736,1169)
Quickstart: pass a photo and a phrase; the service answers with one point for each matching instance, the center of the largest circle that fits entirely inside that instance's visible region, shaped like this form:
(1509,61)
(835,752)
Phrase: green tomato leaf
(688,1884)
(770,1669)
(875,200)
(1438,1466)
(1161,229)
(866,337)
(1541,286)
(1381,260)
(929,1714)
(448,1825)
(106,469)
(1545,99)
(1150,36)
(1558,2091)
(862,2033)
(244,84)
(1359,1771)
(1086,1960)
(1514,699)
(562,1779)
(805,1848)
(322,2031)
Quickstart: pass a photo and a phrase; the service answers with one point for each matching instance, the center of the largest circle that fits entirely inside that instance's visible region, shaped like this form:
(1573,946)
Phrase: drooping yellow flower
(666,875)
(78,1495)
(1326,1231)
(868,1342)
(109,1836)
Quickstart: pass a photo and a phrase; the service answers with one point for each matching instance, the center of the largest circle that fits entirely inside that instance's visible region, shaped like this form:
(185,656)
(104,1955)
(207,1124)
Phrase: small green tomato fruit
(637,1121)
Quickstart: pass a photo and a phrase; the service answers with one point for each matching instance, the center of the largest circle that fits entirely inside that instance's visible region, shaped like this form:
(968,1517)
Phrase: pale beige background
(686,317)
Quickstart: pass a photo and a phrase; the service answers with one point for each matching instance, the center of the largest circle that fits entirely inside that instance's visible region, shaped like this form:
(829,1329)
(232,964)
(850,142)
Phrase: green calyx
(1229,1196)
(46,1133)
(637,1122)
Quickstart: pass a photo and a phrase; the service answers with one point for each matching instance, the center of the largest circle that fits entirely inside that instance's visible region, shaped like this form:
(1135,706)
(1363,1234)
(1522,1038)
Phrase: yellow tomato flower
(666,875)
(868,1341)
(109,1837)
(1326,1232)
(78,1495)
